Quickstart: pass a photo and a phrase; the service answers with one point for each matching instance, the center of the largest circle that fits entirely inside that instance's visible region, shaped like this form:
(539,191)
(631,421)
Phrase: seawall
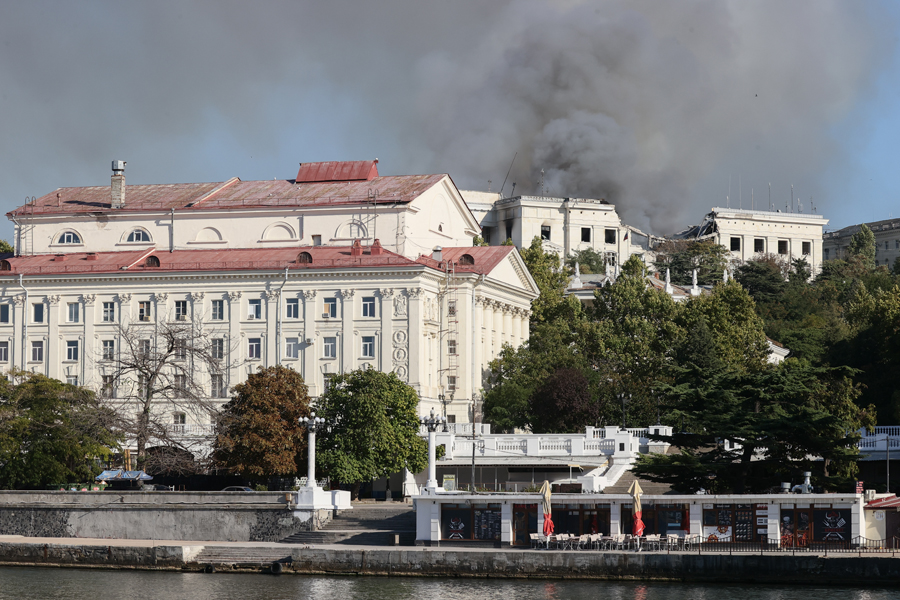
(782,569)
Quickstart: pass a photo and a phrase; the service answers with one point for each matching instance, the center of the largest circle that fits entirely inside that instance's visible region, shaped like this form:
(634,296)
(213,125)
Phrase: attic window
(5,266)
(152,261)
(304,258)
(69,237)
(466,259)
(138,235)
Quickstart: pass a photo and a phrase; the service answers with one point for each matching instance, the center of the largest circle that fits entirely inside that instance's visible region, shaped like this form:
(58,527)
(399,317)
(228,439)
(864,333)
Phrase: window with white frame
(109,312)
(107,386)
(69,237)
(293,308)
(72,379)
(72,350)
(368,306)
(4,351)
(254,309)
(451,346)
(109,349)
(292,347)
(144,310)
(143,348)
(37,351)
(181,310)
(180,348)
(37,312)
(326,381)
(4,313)
(218,310)
(330,308)
(451,383)
(138,235)
(217,348)
(254,348)
(72,312)
(180,383)
(329,347)
(368,346)
(218,386)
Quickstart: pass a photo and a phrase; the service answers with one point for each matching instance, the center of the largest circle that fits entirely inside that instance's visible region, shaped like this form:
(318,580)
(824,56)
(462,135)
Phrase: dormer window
(69,237)
(466,259)
(138,235)
(304,258)
(152,261)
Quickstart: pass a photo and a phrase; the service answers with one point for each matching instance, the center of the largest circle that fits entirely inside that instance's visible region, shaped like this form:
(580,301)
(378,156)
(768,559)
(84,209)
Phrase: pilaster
(271,341)
(416,338)
(310,376)
(20,346)
(385,348)
(89,347)
(348,339)
(233,340)
(54,343)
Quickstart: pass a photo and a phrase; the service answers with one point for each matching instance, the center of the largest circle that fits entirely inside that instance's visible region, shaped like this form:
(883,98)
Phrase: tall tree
(258,432)
(564,404)
(588,260)
(681,257)
(552,278)
(862,244)
(51,432)
(372,428)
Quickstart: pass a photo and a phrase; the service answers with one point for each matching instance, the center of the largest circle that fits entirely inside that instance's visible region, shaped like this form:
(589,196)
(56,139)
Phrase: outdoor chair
(618,542)
(651,542)
(584,541)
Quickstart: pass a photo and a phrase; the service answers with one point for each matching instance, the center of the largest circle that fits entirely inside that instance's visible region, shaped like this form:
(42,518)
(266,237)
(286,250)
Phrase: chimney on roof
(377,249)
(117,185)
(437,254)
(356,248)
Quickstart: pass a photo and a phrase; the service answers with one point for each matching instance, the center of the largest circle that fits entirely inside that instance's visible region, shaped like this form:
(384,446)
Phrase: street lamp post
(623,396)
(432,423)
(312,423)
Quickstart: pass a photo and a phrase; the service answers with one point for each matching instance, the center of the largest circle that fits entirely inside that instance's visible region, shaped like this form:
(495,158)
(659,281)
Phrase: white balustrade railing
(207,429)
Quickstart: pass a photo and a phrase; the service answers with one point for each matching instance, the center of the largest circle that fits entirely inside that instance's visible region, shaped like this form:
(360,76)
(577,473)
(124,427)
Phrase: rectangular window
(782,247)
(486,235)
(107,388)
(451,383)
(142,385)
(807,248)
(293,308)
(72,313)
(451,346)
(329,348)
(610,235)
(509,230)
(825,253)
(109,312)
(4,313)
(451,308)
(759,245)
(585,234)
(330,308)
(180,349)
(218,386)
(735,244)
(181,310)
(368,306)
(72,350)
(545,232)
(368,346)
(37,351)
(317,240)
(109,349)
(37,312)
(217,348)
(143,347)
(72,379)
(4,351)
(292,347)
(144,310)
(254,348)
(254,309)
(218,310)
(180,383)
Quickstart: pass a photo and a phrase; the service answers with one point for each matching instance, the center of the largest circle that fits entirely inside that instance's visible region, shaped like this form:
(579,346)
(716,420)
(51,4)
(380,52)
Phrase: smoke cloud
(651,105)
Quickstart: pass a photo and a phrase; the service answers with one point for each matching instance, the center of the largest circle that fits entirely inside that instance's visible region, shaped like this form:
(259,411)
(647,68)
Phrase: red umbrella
(636,491)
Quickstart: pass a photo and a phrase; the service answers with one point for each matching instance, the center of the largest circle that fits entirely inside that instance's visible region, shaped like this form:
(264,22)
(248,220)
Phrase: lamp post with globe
(312,423)
(432,423)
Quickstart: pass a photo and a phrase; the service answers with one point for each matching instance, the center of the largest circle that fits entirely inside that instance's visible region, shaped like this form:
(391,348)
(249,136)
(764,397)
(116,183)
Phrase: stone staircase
(621,486)
(365,524)
(242,556)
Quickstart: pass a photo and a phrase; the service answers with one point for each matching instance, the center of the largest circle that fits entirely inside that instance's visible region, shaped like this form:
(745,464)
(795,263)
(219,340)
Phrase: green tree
(588,259)
(763,279)
(479,241)
(564,404)
(258,432)
(862,244)
(51,432)
(373,428)
(6,247)
(552,279)
(746,432)
(681,257)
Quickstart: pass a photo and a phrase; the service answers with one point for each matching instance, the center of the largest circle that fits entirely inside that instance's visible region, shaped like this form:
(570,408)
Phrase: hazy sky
(660,107)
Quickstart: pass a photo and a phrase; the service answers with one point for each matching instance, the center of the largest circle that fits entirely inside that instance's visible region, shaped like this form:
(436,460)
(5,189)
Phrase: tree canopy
(51,432)
(372,428)
(681,257)
(258,432)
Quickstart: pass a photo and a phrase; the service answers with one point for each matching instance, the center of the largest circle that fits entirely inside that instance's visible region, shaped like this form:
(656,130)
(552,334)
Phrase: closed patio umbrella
(545,502)
(636,491)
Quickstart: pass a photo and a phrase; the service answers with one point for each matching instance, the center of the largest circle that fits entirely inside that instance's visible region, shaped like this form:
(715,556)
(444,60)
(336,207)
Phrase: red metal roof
(485,258)
(233,194)
(891,501)
(357,170)
(322,257)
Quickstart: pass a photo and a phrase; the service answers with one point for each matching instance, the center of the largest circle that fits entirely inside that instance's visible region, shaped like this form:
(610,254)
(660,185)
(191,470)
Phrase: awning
(891,501)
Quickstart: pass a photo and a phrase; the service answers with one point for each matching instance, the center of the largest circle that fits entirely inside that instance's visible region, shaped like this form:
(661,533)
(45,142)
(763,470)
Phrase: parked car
(238,488)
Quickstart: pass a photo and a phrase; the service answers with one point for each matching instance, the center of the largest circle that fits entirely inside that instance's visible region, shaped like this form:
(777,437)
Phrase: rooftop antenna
(489,186)
(740,194)
(792,197)
(507,175)
(728,197)
(771,206)
(513,192)
(373,194)
(542,183)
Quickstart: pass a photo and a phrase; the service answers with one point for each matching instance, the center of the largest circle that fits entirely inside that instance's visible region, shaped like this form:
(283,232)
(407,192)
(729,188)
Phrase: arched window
(138,235)
(69,237)
(152,261)
(304,258)
(5,266)
(466,259)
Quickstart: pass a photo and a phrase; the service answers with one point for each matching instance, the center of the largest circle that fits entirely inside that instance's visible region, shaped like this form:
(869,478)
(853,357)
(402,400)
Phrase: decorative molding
(386,292)
(161,297)
(88,299)
(272,295)
(233,296)
(123,298)
(53,300)
(479,301)
(309,294)
(197,296)
(400,305)
(19,300)
(347,294)
(400,354)
(414,292)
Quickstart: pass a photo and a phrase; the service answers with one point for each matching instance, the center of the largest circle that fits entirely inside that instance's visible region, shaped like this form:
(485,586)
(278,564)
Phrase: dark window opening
(509,228)
(466,259)
(486,235)
(304,258)
(585,234)
(735,244)
(610,236)
(545,232)
(152,261)
(807,248)
(782,247)
(759,245)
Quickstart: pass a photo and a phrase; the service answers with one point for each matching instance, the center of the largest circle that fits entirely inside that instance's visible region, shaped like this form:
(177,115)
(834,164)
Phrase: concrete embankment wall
(873,570)
(220,516)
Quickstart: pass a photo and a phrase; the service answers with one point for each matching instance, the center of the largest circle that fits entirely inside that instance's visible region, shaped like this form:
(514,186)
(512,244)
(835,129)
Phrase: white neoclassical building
(332,271)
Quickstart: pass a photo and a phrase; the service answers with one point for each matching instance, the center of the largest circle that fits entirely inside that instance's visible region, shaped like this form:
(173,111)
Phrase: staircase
(364,525)
(242,556)
(649,487)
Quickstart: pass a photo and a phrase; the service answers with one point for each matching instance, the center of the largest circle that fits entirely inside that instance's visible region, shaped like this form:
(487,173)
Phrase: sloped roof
(358,170)
(234,193)
(485,258)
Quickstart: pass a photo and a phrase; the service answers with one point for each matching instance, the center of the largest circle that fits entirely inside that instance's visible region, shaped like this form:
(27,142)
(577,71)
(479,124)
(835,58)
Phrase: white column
(526,332)
(432,466)
(487,330)
(89,350)
(233,343)
(477,345)
(348,353)
(384,360)
(21,348)
(498,329)
(311,461)
(54,342)
(416,339)
(508,336)
(271,316)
